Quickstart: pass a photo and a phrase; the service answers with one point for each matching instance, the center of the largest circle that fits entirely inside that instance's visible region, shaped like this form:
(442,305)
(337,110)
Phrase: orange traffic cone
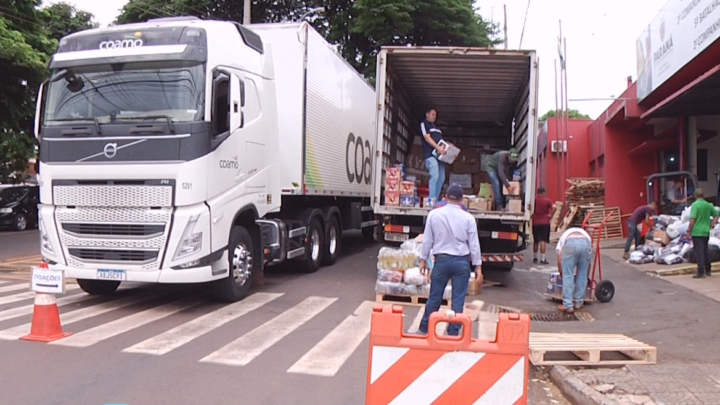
(46,325)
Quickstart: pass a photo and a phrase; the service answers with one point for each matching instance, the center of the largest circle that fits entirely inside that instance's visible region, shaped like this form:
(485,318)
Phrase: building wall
(710,124)
(552,167)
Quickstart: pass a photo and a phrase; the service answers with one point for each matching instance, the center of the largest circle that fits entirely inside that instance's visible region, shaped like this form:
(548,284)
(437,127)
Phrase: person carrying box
(499,168)
(431,142)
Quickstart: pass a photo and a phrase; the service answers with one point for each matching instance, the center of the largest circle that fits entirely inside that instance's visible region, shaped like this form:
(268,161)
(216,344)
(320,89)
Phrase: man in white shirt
(451,234)
(574,251)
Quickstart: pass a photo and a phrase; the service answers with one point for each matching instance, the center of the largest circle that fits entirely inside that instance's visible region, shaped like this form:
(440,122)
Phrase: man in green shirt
(499,168)
(703,217)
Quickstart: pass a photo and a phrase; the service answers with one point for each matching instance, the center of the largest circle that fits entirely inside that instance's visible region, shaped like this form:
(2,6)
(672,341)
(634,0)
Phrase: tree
(25,47)
(572,114)
(61,19)
(358,27)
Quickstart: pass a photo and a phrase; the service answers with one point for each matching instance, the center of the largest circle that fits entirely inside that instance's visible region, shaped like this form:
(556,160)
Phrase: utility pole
(246,12)
(505,25)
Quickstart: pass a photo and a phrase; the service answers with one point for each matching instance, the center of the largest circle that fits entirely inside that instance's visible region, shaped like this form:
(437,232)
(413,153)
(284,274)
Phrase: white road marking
(176,337)
(15,287)
(27,295)
(28,309)
(326,357)
(243,350)
(80,314)
(3,282)
(106,331)
(415,325)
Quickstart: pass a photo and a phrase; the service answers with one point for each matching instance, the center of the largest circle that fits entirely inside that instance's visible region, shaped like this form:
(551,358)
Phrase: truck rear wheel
(243,264)
(333,241)
(98,287)
(313,247)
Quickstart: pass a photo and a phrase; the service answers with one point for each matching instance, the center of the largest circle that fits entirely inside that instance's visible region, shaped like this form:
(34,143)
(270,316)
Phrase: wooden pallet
(415,300)
(568,220)
(555,221)
(613,227)
(586,349)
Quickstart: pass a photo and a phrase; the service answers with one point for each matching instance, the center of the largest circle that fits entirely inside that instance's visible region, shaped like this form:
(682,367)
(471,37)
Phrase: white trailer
(188,151)
(486,99)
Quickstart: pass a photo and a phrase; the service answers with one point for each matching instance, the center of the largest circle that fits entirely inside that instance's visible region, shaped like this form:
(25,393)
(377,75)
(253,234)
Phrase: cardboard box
(464,180)
(474,286)
(415,158)
(514,205)
(407,201)
(466,163)
(428,202)
(516,186)
(394,173)
(469,191)
(392,198)
(661,237)
(392,185)
(480,205)
(485,191)
(451,153)
(407,188)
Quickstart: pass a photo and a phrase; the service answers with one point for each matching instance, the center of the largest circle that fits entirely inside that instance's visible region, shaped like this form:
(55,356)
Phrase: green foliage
(572,114)
(358,27)
(28,36)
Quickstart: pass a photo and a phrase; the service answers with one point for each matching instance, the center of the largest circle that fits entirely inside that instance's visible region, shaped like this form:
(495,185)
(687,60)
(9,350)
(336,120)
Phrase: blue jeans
(436,169)
(633,235)
(497,189)
(457,269)
(575,254)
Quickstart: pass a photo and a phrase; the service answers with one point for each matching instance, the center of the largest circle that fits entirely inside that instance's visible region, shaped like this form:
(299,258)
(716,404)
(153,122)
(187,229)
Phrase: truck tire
(313,247)
(98,287)
(333,241)
(243,264)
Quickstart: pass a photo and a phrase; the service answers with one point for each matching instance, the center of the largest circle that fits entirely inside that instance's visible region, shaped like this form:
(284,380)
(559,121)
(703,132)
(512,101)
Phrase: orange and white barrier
(452,370)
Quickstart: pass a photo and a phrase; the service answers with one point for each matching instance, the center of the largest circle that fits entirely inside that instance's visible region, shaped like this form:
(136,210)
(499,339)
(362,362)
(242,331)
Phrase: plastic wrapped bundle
(392,276)
(647,250)
(390,288)
(637,257)
(685,216)
(413,276)
(671,258)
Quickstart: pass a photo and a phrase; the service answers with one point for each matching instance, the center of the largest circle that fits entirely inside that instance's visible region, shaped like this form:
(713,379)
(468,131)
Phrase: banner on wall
(680,32)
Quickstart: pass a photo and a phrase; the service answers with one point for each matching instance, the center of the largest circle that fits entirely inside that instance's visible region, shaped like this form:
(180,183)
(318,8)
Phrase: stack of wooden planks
(585,191)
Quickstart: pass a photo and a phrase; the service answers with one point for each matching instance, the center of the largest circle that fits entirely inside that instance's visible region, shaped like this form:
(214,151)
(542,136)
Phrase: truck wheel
(333,238)
(242,265)
(369,233)
(98,287)
(313,247)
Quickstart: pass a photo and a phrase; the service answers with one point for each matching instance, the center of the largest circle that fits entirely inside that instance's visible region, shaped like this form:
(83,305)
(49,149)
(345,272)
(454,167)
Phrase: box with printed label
(407,201)
(392,198)
(514,205)
(516,188)
(407,188)
(464,180)
(451,152)
(394,173)
(392,185)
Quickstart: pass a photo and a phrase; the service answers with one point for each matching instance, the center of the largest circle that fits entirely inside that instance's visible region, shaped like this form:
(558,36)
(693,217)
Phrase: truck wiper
(149,117)
(93,119)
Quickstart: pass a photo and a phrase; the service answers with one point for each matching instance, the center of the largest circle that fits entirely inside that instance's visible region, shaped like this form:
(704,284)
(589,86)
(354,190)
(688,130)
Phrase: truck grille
(108,255)
(113,196)
(115,229)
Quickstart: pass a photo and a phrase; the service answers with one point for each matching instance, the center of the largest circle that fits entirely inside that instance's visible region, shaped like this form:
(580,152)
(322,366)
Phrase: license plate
(397,237)
(115,275)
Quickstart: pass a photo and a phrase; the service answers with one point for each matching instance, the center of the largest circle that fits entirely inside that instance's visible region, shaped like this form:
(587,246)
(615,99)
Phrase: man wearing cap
(499,168)
(451,235)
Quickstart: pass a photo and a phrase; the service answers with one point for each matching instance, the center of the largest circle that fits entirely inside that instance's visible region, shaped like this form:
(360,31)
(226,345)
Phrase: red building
(666,121)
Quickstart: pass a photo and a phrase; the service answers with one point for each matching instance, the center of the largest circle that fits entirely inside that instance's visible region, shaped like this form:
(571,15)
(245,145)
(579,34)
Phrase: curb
(576,391)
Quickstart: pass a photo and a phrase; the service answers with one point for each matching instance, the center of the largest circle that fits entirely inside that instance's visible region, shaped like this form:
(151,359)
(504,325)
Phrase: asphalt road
(302,339)
(19,244)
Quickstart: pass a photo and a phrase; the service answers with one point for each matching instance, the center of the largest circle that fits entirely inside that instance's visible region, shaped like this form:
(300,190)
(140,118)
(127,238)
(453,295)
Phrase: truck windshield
(104,93)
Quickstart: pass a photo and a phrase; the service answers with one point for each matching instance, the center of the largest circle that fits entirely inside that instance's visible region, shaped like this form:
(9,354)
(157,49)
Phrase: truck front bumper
(192,275)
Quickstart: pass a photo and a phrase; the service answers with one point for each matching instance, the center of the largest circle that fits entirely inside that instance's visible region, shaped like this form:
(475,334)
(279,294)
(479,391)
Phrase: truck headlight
(191,242)
(45,244)
(5,210)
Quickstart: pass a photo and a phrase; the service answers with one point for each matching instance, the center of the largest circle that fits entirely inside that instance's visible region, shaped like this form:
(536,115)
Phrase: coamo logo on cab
(358,160)
(122,43)
(229,164)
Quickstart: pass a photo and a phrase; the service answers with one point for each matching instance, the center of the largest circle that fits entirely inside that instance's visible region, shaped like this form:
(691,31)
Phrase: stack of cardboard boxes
(393,177)
(514,198)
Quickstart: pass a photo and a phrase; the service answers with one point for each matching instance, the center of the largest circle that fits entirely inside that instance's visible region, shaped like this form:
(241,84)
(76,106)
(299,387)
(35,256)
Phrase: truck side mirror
(220,114)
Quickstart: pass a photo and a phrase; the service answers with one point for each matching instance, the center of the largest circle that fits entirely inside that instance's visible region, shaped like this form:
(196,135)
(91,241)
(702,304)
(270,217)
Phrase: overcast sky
(600,41)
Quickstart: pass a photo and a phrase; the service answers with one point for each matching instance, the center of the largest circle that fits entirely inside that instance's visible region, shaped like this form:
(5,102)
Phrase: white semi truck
(187,151)
(486,100)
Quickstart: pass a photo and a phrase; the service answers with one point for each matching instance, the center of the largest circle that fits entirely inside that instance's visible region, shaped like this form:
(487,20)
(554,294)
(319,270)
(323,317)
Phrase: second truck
(188,151)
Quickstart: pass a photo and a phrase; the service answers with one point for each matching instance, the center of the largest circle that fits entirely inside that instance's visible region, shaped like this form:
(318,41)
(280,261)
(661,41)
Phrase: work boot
(544,262)
(565,310)
(535,260)
(626,256)
(699,276)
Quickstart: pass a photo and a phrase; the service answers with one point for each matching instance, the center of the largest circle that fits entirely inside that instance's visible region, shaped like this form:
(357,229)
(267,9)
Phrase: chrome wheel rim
(333,240)
(315,244)
(21,223)
(241,265)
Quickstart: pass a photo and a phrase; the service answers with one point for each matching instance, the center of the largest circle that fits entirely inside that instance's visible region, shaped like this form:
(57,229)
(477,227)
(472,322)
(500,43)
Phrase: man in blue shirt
(430,142)
(451,235)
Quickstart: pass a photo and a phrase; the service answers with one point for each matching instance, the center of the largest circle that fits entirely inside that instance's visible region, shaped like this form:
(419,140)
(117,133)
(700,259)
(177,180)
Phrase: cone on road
(46,326)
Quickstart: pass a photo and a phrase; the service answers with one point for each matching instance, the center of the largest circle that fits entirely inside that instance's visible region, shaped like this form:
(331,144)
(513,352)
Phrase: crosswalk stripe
(3,282)
(189,331)
(14,287)
(28,295)
(105,331)
(415,325)
(243,350)
(28,309)
(326,358)
(81,314)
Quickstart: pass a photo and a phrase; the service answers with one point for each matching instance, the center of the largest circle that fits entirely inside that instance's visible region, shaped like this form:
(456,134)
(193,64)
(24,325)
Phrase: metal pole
(561,192)
(246,12)
(505,24)
(567,110)
(562,116)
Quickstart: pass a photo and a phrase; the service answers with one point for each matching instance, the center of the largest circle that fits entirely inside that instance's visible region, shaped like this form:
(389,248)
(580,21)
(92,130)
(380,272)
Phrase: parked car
(18,206)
